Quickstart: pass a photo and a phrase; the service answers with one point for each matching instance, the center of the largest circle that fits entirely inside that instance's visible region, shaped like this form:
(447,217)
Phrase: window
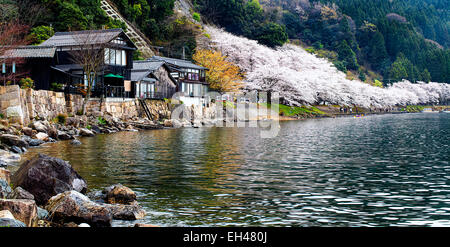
(107,55)
(112,56)
(124,58)
(86,83)
(118,58)
(115,57)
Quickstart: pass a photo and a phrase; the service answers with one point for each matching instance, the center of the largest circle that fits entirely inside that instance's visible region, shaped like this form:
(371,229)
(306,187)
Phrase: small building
(152,80)
(191,77)
(29,61)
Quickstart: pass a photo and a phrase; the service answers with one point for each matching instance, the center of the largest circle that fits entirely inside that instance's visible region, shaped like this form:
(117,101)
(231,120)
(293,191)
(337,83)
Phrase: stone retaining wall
(23,105)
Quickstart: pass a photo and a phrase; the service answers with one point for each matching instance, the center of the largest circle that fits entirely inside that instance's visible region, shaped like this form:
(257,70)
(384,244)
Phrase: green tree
(398,71)
(347,56)
(271,34)
(40,34)
(425,76)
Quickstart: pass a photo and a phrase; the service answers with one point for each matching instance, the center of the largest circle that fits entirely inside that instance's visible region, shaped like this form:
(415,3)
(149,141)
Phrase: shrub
(56,86)
(196,16)
(61,118)
(101,121)
(26,83)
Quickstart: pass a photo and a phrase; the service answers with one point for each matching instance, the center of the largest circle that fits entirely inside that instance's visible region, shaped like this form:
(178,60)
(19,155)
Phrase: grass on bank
(296,111)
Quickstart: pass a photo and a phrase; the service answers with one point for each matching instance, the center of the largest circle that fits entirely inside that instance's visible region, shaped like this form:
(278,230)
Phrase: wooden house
(28,61)
(112,76)
(191,78)
(152,80)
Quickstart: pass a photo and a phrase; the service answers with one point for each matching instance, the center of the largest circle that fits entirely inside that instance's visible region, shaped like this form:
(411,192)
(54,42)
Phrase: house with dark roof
(191,78)
(29,61)
(152,80)
(113,75)
(53,62)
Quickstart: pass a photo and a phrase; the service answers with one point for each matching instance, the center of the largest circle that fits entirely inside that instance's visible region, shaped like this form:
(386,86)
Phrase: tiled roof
(139,75)
(31,52)
(142,69)
(147,65)
(75,38)
(177,62)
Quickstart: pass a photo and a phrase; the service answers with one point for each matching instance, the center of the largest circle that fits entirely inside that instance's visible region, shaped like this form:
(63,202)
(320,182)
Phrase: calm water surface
(390,170)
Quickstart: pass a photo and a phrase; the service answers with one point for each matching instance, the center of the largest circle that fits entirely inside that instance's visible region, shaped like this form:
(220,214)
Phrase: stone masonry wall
(23,105)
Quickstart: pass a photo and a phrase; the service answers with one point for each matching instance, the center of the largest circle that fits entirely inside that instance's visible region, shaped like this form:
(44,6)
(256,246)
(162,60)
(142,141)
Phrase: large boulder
(22,210)
(71,206)
(44,176)
(13,140)
(119,194)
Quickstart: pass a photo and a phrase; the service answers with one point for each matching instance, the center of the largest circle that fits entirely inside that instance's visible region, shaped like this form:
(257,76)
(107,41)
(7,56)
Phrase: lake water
(388,170)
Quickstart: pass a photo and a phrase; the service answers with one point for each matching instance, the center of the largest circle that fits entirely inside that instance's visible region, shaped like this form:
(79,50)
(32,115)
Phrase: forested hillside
(374,41)
(383,39)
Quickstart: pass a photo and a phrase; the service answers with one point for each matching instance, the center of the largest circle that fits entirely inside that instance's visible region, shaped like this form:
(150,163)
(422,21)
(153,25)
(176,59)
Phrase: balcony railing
(167,94)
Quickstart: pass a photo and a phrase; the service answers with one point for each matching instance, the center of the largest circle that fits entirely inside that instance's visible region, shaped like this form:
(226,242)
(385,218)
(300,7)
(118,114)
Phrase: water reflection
(374,171)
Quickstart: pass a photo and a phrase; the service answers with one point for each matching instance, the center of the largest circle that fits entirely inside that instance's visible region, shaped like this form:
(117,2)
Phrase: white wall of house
(189,101)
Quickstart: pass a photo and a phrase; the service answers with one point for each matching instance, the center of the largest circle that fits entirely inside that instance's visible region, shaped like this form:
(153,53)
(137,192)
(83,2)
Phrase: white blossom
(302,78)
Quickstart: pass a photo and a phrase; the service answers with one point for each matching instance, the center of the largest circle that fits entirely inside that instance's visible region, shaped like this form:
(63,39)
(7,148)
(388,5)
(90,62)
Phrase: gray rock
(13,140)
(96,129)
(35,142)
(20,193)
(40,126)
(75,142)
(5,222)
(86,132)
(126,212)
(16,149)
(27,131)
(44,176)
(42,214)
(63,135)
(5,189)
(119,194)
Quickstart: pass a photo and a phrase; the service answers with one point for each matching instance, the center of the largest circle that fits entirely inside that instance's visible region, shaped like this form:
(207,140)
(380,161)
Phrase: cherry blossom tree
(302,78)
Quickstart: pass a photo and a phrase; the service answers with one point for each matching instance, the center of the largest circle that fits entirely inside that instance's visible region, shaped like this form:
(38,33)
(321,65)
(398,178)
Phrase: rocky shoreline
(46,191)
(49,193)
